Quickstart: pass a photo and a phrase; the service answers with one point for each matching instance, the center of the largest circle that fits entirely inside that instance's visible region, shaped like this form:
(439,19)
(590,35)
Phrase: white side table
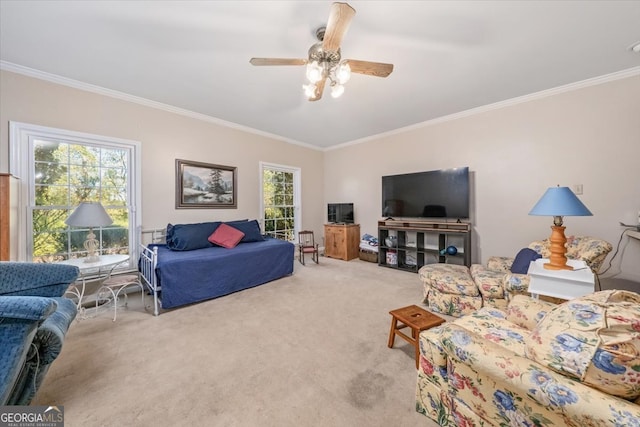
(92,271)
(564,284)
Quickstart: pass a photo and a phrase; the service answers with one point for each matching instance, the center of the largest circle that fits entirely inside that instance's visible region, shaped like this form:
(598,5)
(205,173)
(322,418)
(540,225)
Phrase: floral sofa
(456,290)
(535,364)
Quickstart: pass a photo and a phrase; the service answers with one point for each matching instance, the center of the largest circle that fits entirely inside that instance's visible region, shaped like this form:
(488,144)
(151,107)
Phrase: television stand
(421,242)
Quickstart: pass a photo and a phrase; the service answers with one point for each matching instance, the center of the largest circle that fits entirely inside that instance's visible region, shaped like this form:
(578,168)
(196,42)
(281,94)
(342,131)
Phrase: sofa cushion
(594,339)
(26,308)
(226,236)
(31,279)
(491,324)
(499,263)
(492,302)
(489,282)
(451,304)
(526,311)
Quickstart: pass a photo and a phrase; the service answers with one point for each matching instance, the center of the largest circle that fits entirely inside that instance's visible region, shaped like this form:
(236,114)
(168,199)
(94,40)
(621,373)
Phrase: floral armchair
(495,281)
(535,364)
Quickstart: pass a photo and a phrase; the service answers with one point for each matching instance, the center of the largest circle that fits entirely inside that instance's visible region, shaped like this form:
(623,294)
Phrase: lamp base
(91,244)
(550,266)
(557,259)
(92,258)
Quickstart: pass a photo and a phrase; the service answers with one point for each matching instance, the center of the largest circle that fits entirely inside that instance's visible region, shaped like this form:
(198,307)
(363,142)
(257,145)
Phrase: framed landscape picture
(204,185)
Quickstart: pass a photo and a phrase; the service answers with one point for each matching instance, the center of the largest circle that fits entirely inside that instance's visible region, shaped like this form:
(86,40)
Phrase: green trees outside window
(66,174)
(279,209)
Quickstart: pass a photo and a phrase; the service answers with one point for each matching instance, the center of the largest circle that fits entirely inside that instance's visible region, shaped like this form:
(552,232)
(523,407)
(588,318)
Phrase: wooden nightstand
(342,241)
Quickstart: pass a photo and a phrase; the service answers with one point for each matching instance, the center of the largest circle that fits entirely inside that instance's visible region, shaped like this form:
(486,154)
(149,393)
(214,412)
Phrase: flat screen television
(339,213)
(433,194)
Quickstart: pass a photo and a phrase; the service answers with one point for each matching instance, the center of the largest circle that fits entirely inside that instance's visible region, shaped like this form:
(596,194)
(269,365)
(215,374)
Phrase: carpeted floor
(306,350)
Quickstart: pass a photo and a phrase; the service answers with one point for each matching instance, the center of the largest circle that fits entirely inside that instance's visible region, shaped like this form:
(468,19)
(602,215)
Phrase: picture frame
(205,185)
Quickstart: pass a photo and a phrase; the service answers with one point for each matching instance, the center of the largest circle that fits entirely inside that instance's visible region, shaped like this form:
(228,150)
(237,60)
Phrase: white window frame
(297,199)
(21,166)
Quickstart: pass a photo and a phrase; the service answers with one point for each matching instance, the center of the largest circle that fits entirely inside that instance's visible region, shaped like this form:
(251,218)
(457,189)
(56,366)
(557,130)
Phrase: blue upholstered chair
(34,318)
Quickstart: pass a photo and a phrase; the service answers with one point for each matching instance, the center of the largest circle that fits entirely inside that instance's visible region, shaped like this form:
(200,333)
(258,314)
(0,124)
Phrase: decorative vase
(391,241)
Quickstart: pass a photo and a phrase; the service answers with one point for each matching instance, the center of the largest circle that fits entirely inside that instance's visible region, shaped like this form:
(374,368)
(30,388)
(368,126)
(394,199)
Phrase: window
(280,201)
(58,170)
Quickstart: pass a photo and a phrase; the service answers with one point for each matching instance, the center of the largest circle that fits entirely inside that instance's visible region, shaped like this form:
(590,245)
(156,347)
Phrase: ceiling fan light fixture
(343,72)
(309,90)
(315,72)
(337,90)
(324,62)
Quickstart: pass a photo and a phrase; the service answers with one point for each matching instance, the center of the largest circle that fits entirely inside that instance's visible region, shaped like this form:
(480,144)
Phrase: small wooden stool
(415,318)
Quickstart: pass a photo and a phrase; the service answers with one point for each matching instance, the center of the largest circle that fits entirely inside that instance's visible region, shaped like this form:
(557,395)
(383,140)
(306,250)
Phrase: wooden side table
(415,318)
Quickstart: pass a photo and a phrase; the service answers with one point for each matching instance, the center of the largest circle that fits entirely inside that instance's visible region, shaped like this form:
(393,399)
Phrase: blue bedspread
(191,276)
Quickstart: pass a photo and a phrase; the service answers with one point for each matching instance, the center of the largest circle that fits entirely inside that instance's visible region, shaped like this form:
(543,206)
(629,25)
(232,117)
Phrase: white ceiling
(449,56)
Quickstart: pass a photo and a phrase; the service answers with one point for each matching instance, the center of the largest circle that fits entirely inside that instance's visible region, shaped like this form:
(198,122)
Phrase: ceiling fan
(325,60)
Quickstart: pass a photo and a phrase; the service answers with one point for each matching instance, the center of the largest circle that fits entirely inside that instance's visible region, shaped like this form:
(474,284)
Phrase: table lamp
(90,214)
(558,202)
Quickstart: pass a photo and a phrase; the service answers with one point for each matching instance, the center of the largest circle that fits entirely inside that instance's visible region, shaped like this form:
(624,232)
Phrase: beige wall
(164,137)
(588,136)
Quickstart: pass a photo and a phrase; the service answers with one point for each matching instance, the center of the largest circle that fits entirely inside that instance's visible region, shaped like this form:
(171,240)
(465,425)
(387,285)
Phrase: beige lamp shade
(89,214)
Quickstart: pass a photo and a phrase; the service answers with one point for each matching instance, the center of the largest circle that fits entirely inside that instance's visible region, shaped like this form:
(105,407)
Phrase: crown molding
(630,72)
(64,81)
(53,78)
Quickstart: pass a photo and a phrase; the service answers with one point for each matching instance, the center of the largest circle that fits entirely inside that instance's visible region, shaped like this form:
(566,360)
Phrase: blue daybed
(198,271)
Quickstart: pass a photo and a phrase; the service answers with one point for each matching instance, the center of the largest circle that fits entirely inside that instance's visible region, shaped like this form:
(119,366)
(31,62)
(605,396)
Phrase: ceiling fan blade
(377,69)
(277,61)
(339,20)
(319,90)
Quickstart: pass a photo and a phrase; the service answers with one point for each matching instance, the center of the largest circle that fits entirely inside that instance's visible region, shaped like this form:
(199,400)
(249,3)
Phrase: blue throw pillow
(523,259)
(188,237)
(237,221)
(251,230)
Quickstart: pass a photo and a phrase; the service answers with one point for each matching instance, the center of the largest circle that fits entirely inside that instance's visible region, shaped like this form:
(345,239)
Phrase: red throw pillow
(226,236)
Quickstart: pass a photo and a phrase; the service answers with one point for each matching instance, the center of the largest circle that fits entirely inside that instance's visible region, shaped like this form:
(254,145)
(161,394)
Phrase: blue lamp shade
(560,201)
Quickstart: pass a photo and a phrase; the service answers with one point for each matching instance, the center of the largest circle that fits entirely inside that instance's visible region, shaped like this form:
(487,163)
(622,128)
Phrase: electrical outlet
(577,189)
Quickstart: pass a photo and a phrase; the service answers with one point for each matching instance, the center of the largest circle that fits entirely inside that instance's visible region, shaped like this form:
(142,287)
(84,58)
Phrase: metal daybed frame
(147,267)
(148,262)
